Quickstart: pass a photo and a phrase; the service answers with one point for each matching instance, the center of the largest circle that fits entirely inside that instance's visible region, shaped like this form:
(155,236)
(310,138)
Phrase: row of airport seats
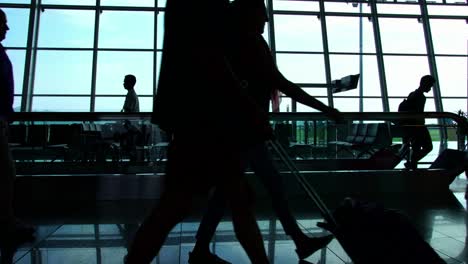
(365,138)
(81,141)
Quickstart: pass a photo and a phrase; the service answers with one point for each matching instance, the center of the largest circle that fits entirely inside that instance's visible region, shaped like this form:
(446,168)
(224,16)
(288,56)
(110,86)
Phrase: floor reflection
(102,241)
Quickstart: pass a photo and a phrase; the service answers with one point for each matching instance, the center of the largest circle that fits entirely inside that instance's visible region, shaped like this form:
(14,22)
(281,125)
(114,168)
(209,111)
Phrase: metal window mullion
(380,60)
(361,68)
(155,46)
(31,56)
(95,56)
(326,54)
(97,237)
(431,55)
(433,69)
(271,29)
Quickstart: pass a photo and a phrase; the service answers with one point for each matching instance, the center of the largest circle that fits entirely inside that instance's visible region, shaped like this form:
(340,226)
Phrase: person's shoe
(206,259)
(315,244)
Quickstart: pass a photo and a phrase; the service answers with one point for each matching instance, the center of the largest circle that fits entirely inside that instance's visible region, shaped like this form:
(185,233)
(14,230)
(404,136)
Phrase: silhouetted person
(416,135)
(12,231)
(200,104)
(131,104)
(253,64)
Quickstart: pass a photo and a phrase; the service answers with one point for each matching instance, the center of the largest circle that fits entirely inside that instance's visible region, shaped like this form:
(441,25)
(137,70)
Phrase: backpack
(404,106)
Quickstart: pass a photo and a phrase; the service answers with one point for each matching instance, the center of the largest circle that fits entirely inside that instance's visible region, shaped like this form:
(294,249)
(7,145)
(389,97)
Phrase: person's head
(129,81)
(426,83)
(251,15)
(3,25)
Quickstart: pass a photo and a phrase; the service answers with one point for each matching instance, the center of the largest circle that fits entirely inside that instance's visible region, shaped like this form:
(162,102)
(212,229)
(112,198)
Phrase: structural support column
(433,68)
(95,55)
(326,53)
(380,60)
(31,55)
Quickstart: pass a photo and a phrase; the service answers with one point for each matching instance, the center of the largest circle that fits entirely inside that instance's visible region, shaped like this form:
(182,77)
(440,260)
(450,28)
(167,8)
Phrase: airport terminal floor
(99,233)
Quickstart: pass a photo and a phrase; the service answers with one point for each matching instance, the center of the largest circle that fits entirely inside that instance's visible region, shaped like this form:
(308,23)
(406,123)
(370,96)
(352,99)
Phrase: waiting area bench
(364,138)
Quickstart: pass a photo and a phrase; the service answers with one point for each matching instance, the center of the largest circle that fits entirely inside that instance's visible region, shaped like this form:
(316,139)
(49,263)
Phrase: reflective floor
(101,234)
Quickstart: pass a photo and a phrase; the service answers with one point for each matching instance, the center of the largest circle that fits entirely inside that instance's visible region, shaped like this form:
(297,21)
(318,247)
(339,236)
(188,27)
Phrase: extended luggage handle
(278,148)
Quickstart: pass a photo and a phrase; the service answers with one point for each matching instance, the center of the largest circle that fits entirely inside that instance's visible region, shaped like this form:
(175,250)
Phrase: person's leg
(213,215)
(173,206)
(239,198)
(426,142)
(421,144)
(263,165)
(152,233)
(229,169)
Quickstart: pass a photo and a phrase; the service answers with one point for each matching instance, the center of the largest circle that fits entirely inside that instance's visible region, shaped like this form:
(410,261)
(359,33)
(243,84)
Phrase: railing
(94,143)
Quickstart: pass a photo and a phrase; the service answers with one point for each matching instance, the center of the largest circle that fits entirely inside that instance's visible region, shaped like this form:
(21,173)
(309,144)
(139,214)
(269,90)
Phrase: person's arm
(296,93)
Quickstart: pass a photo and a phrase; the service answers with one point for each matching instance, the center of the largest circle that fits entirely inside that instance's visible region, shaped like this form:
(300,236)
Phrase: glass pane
(344,65)
(55,75)
(109,104)
(68,2)
(146,104)
(17,103)
(62,255)
(126,29)
(454,105)
(343,34)
(112,66)
(296,5)
(115,104)
(305,108)
(449,36)
(298,33)
(302,68)
(394,103)
(412,9)
(285,105)
(452,76)
(266,34)
(16,2)
(66,28)
(460,10)
(430,103)
(18,22)
(403,73)
(322,91)
(60,104)
(147,3)
(370,77)
(372,105)
(346,104)
(160,32)
(347,7)
(158,65)
(402,35)
(17,58)
(161,3)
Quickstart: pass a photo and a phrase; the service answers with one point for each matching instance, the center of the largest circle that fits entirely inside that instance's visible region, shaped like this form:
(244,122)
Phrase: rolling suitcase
(368,232)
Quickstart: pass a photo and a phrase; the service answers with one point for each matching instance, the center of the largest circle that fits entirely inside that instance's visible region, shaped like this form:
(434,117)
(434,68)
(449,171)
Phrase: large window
(74,56)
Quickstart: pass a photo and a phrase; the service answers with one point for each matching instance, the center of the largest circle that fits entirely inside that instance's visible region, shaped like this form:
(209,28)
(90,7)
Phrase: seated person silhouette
(204,152)
(252,63)
(416,138)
